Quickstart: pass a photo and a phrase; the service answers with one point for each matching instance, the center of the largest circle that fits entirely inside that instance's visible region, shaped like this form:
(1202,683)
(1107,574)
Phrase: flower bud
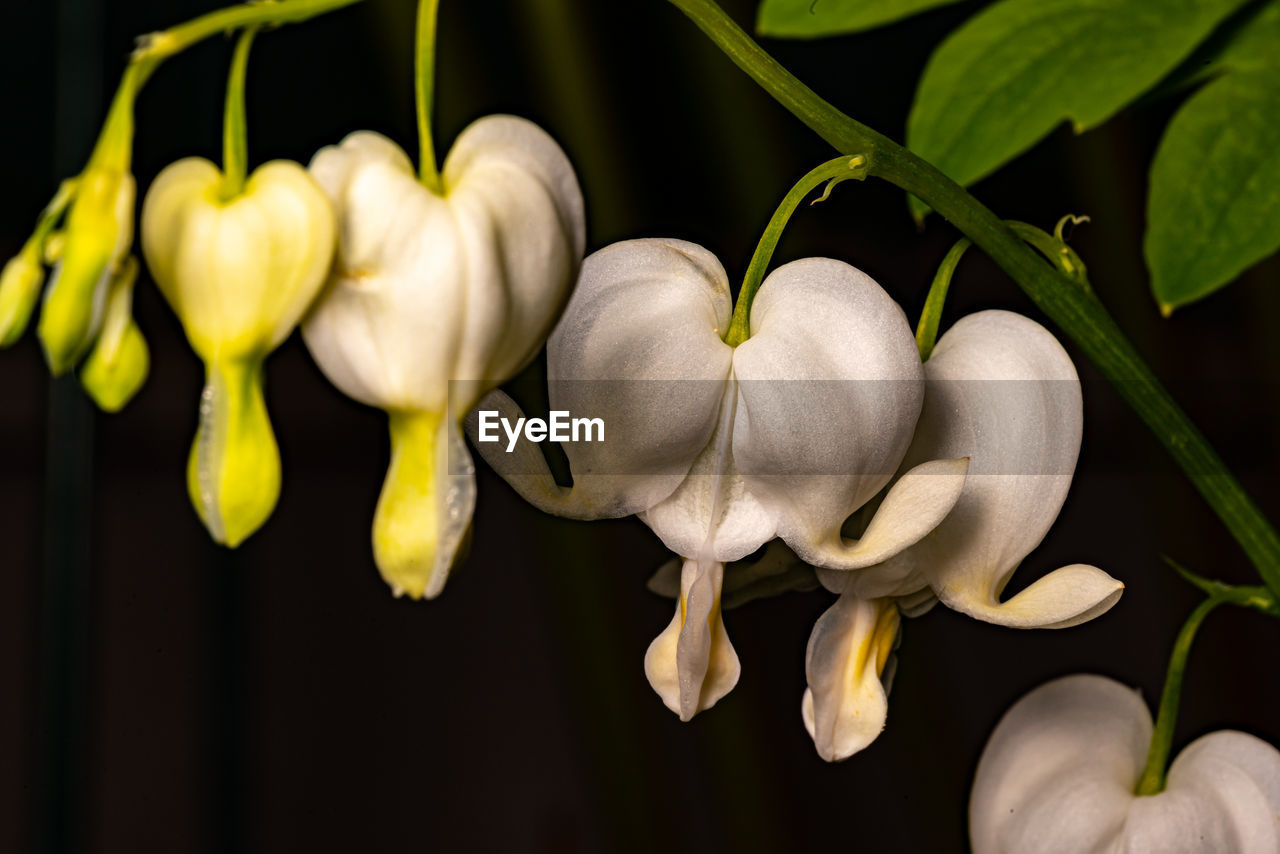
(117,366)
(20,283)
(97,236)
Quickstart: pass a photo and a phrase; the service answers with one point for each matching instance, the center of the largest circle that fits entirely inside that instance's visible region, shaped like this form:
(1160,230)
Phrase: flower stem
(931,315)
(424,63)
(1152,780)
(1258,598)
(831,173)
(1076,310)
(115,140)
(235,144)
(154,48)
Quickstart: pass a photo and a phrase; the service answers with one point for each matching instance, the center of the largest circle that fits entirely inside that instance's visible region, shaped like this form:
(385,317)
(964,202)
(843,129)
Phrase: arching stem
(1076,310)
(830,173)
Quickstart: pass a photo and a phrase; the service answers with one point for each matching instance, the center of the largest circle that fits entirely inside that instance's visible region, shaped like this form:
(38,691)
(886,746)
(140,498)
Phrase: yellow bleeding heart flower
(239,273)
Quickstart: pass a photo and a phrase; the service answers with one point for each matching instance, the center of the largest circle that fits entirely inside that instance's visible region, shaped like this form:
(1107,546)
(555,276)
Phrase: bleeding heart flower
(440,296)
(239,272)
(1059,775)
(720,449)
(1001,390)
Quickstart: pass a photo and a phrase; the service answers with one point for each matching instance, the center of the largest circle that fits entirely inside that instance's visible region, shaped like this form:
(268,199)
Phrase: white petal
(1002,391)
(388,328)
(1222,794)
(1059,774)
(639,346)
(519,211)
(692,664)
(845,705)
(713,511)
(830,389)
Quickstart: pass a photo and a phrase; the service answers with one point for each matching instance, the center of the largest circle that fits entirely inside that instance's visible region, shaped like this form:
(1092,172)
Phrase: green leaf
(817,18)
(1257,43)
(1214,206)
(1006,78)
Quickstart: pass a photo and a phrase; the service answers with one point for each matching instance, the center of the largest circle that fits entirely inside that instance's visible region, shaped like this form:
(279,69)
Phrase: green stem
(235,134)
(115,141)
(1152,780)
(1075,310)
(831,173)
(154,48)
(1153,775)
(424,63)
(931,315)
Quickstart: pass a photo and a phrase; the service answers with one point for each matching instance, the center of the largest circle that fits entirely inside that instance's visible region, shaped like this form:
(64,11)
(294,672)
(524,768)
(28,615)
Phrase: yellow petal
(233,473)
(424,511)
(241,273)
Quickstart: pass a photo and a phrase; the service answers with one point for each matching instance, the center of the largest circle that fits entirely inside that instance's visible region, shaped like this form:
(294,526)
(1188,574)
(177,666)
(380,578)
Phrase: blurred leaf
(818,18)
(1214,209)
(1002,81)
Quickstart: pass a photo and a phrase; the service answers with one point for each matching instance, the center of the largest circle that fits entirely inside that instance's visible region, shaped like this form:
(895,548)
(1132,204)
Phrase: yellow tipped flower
(118,365)
(20,283)
(93,248)
(435,299)
(239,273)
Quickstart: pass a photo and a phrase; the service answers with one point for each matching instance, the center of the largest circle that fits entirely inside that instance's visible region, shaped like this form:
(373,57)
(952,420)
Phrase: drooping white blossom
(439,296)
(720,449)
(1059,774)
(1000,390)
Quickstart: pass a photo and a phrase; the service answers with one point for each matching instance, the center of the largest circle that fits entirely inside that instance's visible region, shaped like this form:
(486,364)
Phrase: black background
(278,699)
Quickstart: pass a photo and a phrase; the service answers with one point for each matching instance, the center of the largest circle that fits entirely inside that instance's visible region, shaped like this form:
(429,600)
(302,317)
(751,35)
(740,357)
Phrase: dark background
(160,694)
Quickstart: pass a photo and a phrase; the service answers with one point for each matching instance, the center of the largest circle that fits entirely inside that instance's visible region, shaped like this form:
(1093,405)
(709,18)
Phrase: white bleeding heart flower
(720,449)
(1001,390)
(1059,775)
(430,289)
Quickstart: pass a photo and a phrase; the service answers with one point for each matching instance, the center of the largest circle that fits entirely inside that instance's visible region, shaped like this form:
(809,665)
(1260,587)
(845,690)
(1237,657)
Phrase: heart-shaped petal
(238,273)
(1059,772)
(1001,390)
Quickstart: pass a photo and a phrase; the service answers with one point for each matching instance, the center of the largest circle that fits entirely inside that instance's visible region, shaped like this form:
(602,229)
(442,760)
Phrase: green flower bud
(20,284)
(117,367)
(98,233)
